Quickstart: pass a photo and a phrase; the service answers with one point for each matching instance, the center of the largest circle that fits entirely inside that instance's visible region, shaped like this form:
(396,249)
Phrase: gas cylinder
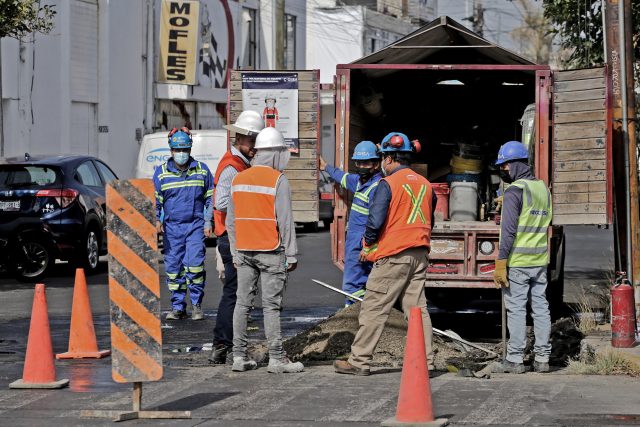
(623,325)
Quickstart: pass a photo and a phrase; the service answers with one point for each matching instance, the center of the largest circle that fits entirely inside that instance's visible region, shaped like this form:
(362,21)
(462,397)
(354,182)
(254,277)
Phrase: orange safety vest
(254,203)
(238,164)
(408,223)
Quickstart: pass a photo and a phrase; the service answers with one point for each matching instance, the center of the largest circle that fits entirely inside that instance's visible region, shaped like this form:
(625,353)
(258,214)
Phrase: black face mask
(504,175)
(365,173)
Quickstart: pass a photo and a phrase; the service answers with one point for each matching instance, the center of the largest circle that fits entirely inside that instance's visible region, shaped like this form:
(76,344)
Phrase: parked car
(52,208)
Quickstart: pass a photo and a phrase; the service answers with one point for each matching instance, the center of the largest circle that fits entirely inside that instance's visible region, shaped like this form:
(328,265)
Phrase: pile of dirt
(332,338)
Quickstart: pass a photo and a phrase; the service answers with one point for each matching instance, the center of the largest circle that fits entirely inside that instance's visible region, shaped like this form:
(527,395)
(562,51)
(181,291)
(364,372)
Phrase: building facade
(91,86)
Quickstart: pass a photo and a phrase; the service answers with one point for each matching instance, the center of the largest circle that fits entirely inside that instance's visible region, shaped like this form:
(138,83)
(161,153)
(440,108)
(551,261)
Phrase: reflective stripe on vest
(530,245)
(408,223)
(238,164)
(254,203)
(362,196)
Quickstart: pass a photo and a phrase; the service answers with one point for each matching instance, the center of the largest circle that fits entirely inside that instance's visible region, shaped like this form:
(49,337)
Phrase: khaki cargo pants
(397,277)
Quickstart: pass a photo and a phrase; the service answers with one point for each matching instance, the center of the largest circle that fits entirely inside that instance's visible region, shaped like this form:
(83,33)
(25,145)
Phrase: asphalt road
(588,270)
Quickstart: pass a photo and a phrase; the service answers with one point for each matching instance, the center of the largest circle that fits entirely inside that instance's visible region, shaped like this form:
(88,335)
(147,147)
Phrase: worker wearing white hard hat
(263,244)
(237,159)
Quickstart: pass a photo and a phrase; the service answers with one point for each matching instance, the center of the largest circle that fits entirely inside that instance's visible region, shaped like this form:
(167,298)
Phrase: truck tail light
(487,268)
(64,197)
(442,269)
(326,196)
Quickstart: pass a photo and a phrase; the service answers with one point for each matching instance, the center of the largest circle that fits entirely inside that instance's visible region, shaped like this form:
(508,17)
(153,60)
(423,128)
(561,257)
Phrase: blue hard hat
(365,150)
(180,139)
(512,150)
(396,142)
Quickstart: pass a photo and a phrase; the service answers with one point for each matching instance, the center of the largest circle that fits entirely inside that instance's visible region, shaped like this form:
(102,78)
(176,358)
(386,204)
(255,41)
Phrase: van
(208,147)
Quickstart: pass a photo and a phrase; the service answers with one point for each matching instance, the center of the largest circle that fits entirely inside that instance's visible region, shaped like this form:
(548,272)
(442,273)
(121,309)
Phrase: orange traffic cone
(414,403)
(39,369)
(82,336)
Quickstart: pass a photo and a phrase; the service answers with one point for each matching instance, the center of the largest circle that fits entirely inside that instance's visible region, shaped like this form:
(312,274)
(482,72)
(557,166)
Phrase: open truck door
(302,171)
(582,178)
(339,226)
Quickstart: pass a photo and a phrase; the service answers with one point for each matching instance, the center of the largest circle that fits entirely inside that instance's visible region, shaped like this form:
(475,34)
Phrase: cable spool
(462,165)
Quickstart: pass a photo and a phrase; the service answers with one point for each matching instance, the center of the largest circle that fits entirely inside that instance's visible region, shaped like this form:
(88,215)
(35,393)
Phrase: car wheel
(91,251)
(34,260)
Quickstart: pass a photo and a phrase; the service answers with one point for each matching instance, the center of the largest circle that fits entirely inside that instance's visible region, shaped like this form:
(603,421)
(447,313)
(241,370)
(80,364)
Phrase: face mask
(504,175)
(180,158)
(364,173)
(270,104)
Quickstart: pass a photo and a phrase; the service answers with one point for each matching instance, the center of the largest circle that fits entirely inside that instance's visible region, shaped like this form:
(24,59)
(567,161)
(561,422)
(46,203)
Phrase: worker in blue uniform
(363,185)
(183,190)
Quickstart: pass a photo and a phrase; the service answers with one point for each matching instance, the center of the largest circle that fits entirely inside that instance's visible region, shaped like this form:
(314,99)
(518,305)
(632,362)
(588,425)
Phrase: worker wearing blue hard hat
(521,267)
(397,239)
(183,190)
(363,185)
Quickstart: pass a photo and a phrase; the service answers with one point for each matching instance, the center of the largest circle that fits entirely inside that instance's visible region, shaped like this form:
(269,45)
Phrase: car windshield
(15,176)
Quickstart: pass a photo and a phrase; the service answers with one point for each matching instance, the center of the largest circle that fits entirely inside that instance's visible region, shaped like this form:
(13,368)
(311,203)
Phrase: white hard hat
(248,123)
(270,138)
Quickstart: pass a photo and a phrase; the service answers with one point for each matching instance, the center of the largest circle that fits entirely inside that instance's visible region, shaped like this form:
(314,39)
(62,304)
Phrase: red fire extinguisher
(623,324)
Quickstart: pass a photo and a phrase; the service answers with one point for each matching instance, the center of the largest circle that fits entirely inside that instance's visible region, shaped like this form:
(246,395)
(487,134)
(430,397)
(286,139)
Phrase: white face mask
(271,104)
(180,158)
(382,169)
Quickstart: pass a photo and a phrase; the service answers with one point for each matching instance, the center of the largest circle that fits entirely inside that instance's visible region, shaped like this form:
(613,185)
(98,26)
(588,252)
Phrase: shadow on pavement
(195,401)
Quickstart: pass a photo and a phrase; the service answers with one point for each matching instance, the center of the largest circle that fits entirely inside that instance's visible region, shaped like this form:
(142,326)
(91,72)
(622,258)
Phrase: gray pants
(522,282)
(268,268)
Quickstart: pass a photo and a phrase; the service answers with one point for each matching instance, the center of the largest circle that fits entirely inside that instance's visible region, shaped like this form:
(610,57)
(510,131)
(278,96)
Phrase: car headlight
(487,247)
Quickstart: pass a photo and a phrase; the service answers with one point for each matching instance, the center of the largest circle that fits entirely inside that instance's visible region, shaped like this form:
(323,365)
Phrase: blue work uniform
(356,273)
(185,197)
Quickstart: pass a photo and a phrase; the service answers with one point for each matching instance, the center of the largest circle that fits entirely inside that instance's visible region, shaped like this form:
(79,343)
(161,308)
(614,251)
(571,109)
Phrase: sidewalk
(319,397)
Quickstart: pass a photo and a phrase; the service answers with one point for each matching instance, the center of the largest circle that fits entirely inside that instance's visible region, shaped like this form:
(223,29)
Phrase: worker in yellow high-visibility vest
(523,257)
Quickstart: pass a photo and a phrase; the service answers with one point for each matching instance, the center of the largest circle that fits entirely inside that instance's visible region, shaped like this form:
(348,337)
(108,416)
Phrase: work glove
(500,274)
(498,201)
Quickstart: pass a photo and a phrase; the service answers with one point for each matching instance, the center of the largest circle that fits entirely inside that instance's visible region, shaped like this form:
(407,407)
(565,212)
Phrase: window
(289,59)
(107,175)
(27,176)
(87,174)
(249,39)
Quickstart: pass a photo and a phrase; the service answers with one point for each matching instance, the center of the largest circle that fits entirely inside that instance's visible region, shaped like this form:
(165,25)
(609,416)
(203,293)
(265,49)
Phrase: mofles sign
(178,41)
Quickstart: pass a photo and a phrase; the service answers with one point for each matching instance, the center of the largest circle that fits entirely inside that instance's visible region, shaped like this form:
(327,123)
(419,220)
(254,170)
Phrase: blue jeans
(525,281)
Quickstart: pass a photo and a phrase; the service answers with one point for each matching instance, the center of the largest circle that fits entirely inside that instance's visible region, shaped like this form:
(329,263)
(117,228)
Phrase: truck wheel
(310,227)
(33,261)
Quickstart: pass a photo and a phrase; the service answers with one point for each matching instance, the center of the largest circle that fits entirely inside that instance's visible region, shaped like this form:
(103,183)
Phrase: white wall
(39,120)
(334,36)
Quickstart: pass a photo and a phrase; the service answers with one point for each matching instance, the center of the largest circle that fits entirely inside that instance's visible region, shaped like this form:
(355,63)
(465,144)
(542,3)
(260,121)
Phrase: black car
(52,208)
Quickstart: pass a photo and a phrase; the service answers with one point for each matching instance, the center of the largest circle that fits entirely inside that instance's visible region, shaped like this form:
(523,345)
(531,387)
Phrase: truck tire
(555,288)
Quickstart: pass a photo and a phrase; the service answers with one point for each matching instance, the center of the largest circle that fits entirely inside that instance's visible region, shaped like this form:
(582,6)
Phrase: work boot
(196,312)
(344,367)
(284,366)
(176,315)
(509,367)
(540,366)
(241,364)
(219,354)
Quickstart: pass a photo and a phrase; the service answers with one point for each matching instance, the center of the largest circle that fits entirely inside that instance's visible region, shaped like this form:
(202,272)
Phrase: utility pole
(478,18)
(279,33)
(619,55)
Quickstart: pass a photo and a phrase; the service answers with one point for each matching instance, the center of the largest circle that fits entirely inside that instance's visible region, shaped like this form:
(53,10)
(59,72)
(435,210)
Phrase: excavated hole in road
(332,338)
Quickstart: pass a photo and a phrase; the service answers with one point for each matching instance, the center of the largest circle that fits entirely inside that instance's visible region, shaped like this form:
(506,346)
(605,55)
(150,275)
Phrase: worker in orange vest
(397,239)
(263,243)
(237,159)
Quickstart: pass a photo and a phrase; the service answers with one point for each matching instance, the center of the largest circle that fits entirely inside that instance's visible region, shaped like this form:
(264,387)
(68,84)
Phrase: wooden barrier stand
(134,293)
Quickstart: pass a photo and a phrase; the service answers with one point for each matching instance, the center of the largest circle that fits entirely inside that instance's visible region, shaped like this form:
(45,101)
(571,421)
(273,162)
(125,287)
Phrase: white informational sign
(275,97)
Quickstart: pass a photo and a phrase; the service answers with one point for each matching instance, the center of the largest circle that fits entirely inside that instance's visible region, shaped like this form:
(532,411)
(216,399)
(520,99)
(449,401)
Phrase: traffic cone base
(84,354)
(439,422)
(82,335)
(51,385)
